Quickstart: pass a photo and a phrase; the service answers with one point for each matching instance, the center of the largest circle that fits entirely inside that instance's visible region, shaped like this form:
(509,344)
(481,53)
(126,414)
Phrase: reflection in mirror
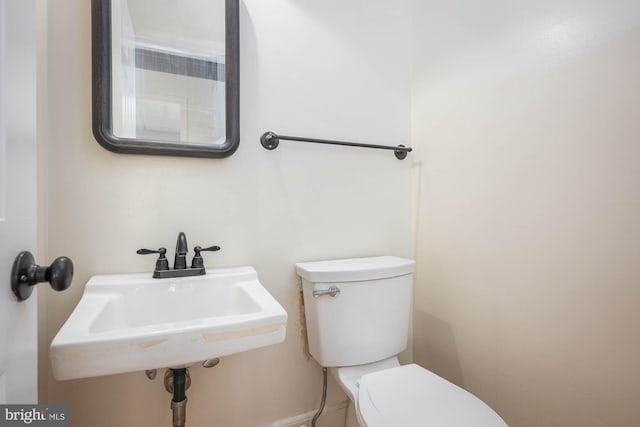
(165,76)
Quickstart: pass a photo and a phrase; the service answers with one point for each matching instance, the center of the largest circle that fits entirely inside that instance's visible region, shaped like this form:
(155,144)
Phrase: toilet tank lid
(354,269)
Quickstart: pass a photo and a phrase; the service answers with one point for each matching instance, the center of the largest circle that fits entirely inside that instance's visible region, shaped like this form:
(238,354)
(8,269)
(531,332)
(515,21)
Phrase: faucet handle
(161,263)
(198,262)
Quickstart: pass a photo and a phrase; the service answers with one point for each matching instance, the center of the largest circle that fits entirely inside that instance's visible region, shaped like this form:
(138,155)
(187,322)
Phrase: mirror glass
(165,76)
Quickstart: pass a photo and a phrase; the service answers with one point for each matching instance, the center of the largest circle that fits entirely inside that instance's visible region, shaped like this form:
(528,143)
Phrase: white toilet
(357,313)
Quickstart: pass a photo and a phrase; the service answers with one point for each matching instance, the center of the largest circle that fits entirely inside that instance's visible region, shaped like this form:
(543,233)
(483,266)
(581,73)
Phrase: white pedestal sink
(131,322)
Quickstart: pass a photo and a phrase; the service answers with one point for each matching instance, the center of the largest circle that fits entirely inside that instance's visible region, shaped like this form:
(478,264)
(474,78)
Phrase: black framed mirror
(166,76)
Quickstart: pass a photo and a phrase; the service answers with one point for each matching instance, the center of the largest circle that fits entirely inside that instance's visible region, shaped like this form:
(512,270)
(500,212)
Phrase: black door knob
(26,273)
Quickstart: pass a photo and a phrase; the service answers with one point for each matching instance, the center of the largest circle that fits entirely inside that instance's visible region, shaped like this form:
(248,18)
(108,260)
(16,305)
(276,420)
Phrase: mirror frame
(102,92)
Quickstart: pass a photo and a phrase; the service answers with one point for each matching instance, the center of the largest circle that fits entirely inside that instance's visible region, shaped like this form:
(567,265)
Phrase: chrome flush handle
(332,292)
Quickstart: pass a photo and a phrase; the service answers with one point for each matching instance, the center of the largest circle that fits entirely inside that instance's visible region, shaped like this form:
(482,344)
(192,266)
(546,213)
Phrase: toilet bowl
(410,395)
(357,314)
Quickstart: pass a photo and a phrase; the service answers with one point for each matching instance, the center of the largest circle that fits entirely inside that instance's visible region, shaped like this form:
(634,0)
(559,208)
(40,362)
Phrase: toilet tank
(368,320)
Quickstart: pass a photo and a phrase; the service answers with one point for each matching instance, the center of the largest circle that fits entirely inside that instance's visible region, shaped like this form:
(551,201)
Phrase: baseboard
(332,416)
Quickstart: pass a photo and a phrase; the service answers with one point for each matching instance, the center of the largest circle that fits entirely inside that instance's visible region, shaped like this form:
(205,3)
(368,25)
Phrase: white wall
(526,119)
(326,69)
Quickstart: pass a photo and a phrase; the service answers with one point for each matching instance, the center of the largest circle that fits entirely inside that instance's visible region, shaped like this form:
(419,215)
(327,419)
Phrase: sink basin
(131,322)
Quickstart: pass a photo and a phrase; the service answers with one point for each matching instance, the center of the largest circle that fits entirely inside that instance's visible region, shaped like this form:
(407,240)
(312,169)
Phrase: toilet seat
(413,396)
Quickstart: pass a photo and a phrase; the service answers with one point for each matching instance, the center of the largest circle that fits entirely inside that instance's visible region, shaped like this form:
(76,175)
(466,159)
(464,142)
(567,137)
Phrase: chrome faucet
(180,268)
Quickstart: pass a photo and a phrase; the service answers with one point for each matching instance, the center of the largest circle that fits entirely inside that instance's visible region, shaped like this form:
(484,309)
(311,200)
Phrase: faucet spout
(180,268)
(180,261)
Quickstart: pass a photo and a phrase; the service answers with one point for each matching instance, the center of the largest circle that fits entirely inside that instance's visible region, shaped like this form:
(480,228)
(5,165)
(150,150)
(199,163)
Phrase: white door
(18,321)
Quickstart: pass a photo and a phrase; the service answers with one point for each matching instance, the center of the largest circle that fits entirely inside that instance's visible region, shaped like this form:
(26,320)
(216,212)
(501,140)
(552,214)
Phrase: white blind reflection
(167,87)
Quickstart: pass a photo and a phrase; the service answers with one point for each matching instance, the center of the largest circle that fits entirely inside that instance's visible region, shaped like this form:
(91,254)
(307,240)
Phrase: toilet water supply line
(324,398)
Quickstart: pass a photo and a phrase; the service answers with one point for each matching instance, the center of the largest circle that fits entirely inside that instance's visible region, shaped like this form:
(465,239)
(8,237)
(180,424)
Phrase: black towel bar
(270,141)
